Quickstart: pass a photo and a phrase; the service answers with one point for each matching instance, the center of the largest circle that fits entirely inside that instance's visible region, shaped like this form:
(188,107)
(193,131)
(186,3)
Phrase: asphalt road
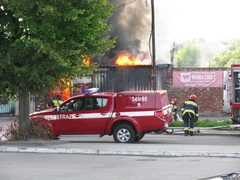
(90,157)
(29,166)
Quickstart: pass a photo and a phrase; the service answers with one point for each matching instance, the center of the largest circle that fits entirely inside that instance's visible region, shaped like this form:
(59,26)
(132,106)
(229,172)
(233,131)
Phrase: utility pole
(172,51)
(154,86)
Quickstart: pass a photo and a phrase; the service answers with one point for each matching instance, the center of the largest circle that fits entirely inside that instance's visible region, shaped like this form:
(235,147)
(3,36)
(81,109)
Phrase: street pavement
(208,153)
(46,166)
(93,145)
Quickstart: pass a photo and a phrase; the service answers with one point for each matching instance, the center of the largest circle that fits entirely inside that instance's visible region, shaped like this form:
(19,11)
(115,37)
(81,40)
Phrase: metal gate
(122,78)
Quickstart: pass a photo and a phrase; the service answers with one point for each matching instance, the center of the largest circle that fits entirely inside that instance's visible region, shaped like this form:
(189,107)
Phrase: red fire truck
(127,115)
(234,89)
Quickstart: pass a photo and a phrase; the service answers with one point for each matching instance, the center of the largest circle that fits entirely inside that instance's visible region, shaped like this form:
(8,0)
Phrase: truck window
(84,104)
(93,103)
(77,104)
(102,102)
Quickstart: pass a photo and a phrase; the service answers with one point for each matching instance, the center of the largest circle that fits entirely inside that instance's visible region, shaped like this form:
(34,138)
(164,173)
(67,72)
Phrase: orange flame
(125,59)
(86,60)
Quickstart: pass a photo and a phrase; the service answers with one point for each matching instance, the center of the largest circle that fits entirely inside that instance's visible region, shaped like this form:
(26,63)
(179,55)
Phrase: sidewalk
(93,145)
(151,145)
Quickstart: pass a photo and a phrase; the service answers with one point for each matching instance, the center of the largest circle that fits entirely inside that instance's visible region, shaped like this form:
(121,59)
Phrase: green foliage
(44,41)
(176,124)
(212,123)
(188,55)
(227,56)
(203,123)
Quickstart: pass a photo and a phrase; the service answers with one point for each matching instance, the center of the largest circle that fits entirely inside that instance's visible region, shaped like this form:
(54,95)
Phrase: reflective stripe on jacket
(54,103)
(191,107)
(174,109)
(57,102)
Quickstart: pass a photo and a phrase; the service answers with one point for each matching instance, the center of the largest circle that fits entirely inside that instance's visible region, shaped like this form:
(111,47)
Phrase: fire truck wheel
(139,136)
(124,133)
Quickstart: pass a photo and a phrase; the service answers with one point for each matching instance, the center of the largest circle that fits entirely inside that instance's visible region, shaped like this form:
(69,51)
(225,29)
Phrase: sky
(188,19)
(176,21)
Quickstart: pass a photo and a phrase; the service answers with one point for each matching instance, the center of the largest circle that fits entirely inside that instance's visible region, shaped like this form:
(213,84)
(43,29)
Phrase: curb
(117,152)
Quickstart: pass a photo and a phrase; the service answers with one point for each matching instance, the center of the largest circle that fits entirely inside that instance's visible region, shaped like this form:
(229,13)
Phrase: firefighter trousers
(188,119)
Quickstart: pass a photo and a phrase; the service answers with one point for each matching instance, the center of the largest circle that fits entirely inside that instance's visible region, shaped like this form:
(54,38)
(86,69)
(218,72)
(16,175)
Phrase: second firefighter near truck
(55,101)
(174,109)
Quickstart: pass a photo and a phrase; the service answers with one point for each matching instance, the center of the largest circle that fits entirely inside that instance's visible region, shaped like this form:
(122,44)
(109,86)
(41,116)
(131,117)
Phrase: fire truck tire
(139,136)
(124,133)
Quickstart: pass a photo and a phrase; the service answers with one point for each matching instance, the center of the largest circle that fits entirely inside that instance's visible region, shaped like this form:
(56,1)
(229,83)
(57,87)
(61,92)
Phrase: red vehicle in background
(126,115)
(234,88)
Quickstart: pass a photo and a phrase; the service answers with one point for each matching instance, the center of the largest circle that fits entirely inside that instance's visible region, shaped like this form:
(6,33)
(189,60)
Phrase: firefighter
(174,108)
(55,101)
(190,114)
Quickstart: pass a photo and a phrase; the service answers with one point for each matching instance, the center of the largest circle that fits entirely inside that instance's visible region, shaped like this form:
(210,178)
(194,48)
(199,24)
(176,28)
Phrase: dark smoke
(131,23)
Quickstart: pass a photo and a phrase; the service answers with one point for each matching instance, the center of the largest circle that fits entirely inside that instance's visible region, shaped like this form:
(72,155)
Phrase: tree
(227,56)
(43,42)
(188,55)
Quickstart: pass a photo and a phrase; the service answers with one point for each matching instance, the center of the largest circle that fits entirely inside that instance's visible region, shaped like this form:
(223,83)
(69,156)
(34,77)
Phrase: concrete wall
(209,100)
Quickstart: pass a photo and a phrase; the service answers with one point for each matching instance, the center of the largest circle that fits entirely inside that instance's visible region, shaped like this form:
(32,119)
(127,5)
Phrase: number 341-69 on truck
(126,115)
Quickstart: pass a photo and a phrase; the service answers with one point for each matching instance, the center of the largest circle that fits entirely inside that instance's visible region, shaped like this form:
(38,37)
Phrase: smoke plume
(131,23)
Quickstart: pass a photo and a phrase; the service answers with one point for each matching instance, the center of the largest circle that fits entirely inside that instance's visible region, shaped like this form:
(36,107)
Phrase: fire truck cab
(235,93)
(126,115)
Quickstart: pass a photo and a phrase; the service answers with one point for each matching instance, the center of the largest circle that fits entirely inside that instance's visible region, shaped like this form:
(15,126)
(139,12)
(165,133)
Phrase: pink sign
(197,78)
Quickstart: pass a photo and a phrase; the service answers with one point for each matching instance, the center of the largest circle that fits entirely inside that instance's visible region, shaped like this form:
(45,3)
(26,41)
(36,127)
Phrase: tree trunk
(24,110)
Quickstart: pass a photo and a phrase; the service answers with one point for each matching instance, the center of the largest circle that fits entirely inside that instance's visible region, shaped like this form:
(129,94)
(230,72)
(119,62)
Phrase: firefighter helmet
(193,96)
(57,93)
(174,100)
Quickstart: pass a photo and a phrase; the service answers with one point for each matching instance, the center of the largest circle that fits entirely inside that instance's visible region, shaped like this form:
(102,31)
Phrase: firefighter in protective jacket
(174,108)
(55,101)
(190,114)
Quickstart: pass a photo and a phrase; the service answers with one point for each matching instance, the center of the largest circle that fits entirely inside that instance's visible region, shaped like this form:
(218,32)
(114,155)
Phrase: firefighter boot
(191,132)
(186,132)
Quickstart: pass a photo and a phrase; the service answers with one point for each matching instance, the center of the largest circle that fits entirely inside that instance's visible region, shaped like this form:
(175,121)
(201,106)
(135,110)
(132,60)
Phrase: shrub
(37,130)
(15,132)
(40,130)
(1,130)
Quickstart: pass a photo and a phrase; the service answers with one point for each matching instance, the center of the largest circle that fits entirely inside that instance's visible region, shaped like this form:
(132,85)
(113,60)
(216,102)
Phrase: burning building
(131,24)
(128,66)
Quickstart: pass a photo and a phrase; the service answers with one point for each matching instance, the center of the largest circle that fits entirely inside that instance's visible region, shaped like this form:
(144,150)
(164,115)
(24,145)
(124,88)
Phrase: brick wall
(209,100)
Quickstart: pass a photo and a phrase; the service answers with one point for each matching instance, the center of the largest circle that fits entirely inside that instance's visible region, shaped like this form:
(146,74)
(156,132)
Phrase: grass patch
(203,123)
(176,124)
